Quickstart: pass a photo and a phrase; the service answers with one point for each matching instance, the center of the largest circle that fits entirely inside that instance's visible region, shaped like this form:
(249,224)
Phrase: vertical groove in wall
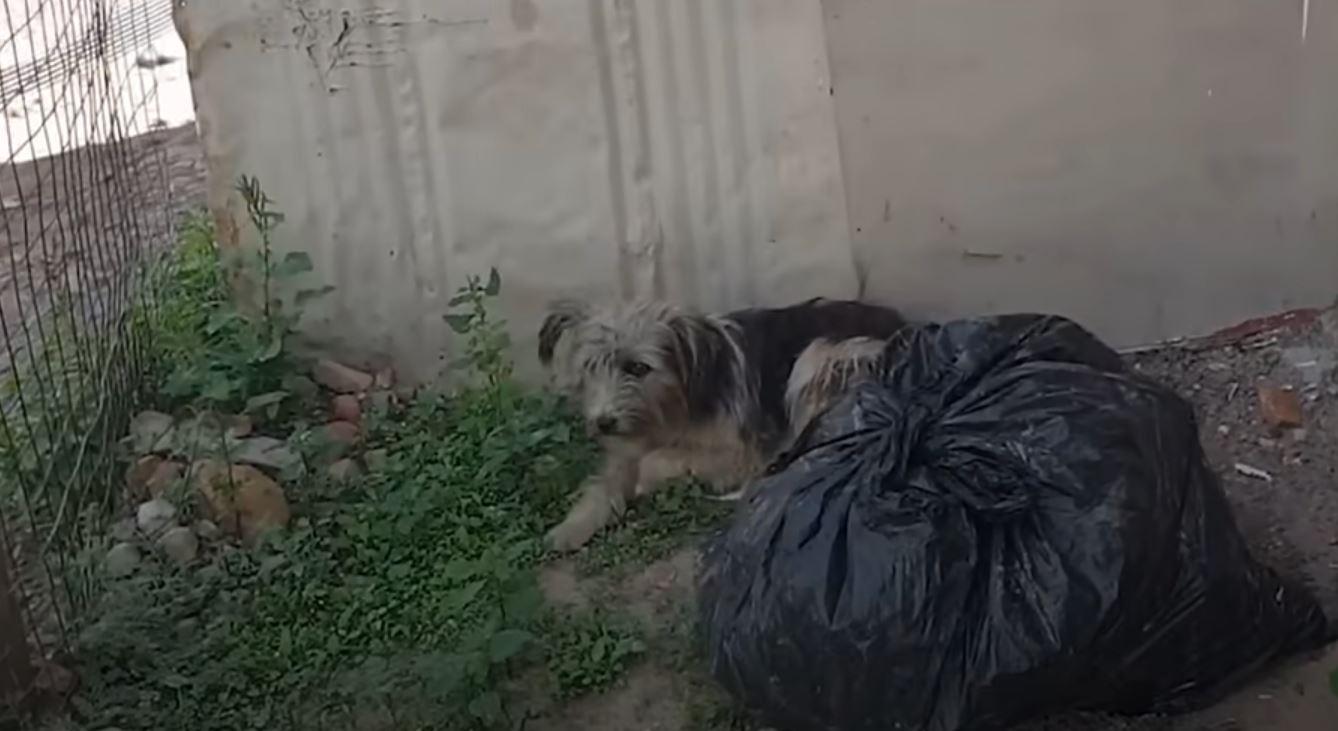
(325,185)
(701,113)
(673,169)
(421,192)
(393,194)
(651,240)
(609,102)
(749,236)
(428,255)
(709,182)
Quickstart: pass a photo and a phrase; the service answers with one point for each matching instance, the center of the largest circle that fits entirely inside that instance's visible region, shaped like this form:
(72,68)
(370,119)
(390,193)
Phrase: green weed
(655,527)
(589,652)
(486,341)
(405,599)
(220,354)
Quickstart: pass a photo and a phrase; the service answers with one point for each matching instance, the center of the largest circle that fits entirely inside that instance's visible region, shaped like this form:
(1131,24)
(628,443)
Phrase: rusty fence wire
(85,201)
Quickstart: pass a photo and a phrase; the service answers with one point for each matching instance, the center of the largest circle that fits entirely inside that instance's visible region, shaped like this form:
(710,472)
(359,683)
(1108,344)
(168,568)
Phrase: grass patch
(655,526)
(404,599)
(412,591)
(589,652)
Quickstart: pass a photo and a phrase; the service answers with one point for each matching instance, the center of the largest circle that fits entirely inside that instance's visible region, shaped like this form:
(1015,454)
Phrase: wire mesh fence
(84,201)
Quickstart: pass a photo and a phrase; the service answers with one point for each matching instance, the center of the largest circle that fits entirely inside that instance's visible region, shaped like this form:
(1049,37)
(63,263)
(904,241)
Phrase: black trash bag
(1007,524)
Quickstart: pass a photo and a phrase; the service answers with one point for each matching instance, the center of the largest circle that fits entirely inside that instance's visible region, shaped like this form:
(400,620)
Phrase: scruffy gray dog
(669,393)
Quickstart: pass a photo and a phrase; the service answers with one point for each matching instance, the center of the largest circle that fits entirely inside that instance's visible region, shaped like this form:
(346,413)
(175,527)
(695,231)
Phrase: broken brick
(1279,409)
(346,408)
(340,378)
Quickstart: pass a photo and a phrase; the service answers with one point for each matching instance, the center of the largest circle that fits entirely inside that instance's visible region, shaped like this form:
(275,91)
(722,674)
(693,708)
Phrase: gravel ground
(1289,517)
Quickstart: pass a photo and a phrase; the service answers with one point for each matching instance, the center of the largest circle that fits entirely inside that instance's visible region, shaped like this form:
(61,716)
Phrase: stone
(404,393)
(241,499)
(121,560)
(1279,409)
(137,475)
(266,452)
(381,402)
(239,426)
(1312,364)
(164,476)
(123,530)
(345,407)
(340,378)
(302,387)
(376,459)
(151,431)
(155,516)
(1328,322)
(202,434)
(152,59)
(180,544)
(208,530)
(342,432)
(336,438)
(344,470)
(384,379)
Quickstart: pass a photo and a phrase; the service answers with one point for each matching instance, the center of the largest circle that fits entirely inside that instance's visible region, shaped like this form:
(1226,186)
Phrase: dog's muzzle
(604,426)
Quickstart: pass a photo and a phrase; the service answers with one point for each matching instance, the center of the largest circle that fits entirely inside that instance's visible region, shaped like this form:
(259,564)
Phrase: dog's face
(633,369)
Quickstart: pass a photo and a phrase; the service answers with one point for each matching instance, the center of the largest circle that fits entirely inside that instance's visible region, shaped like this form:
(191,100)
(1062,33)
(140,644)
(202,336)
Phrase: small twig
(1258,344)
(227,459)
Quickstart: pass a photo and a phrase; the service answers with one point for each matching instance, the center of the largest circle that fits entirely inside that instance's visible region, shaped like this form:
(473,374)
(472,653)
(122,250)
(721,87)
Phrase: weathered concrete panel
(1151,168)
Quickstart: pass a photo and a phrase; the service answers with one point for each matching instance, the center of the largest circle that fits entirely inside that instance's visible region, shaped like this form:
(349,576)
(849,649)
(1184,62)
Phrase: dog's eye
(635,368)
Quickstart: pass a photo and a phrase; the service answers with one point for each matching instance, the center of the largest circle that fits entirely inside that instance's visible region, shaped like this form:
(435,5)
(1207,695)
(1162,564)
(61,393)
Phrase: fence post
(16,668)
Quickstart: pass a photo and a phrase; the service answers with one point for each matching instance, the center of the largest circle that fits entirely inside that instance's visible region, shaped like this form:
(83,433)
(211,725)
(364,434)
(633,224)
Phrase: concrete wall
(608,148)
(1154,168)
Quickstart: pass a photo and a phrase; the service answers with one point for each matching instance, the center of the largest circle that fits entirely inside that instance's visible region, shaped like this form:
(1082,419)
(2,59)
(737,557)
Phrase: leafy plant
(654,526)
(486,340)
(406,599)
(590,652)
(224,356)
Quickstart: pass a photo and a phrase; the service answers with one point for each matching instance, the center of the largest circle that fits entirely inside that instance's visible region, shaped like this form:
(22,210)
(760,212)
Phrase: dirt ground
(76,223)
(73,227)
(1290,520)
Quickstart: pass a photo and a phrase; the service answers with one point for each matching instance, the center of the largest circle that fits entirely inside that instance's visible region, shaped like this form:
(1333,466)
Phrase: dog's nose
(606,424)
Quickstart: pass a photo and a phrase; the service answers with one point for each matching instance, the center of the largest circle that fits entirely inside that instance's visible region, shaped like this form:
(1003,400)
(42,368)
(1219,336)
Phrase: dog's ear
(562,316)
(700,356)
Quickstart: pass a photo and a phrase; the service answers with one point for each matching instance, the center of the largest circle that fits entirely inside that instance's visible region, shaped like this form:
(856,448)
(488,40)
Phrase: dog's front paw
(571,534)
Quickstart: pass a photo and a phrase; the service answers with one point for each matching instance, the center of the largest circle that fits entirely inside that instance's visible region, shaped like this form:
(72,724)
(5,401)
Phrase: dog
(671,394)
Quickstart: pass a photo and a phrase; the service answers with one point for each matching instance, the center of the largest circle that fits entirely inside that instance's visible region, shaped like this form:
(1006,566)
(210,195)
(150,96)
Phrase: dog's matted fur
(670,393)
